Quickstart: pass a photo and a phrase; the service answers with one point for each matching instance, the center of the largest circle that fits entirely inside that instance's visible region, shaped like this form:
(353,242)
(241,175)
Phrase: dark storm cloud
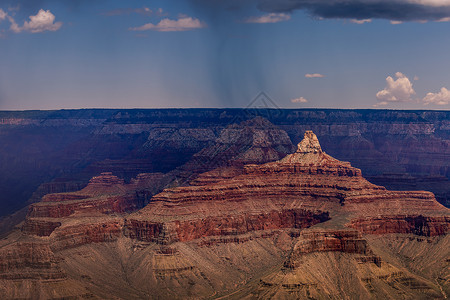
(400,10)
(409,10)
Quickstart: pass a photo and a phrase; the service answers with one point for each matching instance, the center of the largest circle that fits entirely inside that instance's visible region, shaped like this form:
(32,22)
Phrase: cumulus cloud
(314,75)
(440,98)
(396,90)
(398,10)
(44,20)
(299,100)
(184,23)
(269,18)
(356,21)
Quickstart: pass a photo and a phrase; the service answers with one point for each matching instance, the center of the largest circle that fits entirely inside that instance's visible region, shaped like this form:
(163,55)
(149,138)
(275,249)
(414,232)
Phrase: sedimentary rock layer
(416,224)
(308,179)
(225,225)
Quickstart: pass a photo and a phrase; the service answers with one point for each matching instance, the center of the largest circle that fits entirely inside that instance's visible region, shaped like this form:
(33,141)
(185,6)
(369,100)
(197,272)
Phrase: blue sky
(219,53)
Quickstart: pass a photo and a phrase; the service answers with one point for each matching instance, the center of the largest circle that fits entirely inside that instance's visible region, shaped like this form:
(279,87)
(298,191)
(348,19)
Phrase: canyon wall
(68,147)
(304,226)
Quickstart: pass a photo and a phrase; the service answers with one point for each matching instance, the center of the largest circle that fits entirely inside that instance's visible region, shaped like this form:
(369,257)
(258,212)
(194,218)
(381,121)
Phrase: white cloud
(2,15)
(184,23)
(269,18)
(314,75)
(382,103)
(44,20)
(399,90)
(14,27)
(357,21)
(394,22)
(299,100)
(440,98)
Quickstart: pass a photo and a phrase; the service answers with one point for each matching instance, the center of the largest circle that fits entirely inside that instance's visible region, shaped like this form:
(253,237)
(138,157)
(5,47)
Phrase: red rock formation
(251,209)
(29,261)
(253,141)
(105,194)
(40,227)
(64,142)
(103,204)
(294,192)
(416,224)
(86,233)
(224,225)
(335,241)
(308,179)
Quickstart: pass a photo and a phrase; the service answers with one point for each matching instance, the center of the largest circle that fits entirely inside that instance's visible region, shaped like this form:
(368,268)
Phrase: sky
(63,54)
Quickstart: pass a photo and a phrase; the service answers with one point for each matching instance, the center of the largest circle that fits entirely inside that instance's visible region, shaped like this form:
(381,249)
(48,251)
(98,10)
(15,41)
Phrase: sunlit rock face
(309,144)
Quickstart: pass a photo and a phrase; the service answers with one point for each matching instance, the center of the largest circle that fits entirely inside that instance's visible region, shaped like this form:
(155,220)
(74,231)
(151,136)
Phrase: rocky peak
(258,122)
(105,183)
(309,158)
(254,141)
(105,179)
(309,144)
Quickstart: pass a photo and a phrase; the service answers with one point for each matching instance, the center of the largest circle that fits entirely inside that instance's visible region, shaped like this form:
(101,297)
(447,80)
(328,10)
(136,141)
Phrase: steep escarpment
(74,145)
(31,270)
(308,179)
(222,225)
(304,226)
(29,261)
(105,195)
(416,224)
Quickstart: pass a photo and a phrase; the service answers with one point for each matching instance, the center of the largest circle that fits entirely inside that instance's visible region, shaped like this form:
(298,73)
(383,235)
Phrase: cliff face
(305,225)
(343,241)
(29,261)
(74,145)
(416,224)
(297,191)
(105,195)
(223,225)
(308,179)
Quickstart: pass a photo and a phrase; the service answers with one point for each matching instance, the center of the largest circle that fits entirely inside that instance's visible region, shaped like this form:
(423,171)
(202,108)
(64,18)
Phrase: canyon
(59,151)
(266,220)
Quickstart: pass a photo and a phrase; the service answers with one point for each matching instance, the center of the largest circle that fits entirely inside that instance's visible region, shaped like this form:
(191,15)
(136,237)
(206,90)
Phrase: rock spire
(309,144)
